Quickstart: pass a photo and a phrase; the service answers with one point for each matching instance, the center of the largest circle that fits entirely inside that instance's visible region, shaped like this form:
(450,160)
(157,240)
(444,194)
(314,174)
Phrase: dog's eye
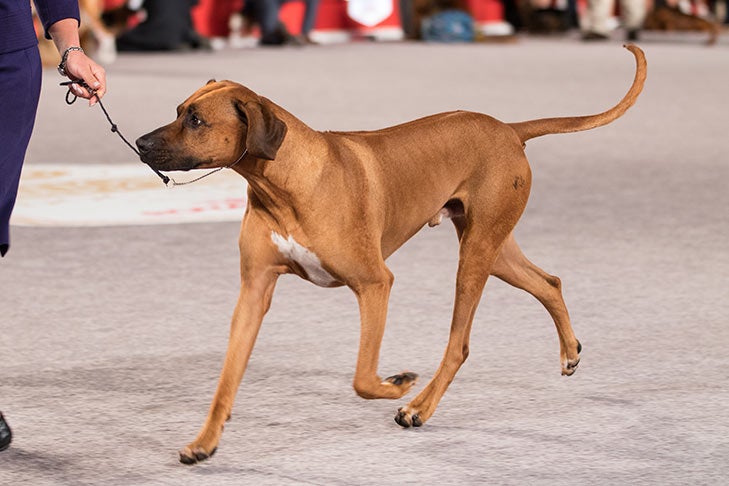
(194,121)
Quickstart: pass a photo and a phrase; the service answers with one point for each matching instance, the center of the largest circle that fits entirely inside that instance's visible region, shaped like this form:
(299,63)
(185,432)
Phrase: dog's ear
(210,81)
(265,130)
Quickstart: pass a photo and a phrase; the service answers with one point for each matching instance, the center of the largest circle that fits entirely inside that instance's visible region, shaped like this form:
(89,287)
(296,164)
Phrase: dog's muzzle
(154,152)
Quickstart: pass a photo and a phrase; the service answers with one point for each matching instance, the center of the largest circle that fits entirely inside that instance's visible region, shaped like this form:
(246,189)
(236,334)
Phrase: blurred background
(110,26)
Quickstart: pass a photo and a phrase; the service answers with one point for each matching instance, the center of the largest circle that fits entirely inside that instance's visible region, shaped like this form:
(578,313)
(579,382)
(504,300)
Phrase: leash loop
(71,98)
(70,101)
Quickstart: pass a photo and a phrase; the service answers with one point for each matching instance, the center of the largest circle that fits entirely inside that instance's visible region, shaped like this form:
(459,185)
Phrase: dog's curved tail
(544,126)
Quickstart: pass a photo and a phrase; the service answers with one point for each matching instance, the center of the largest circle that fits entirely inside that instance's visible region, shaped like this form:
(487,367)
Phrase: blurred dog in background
(669,18)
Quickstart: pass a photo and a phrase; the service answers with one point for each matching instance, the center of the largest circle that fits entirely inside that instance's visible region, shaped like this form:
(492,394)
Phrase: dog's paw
(408,418)
(192,455)
(569,366)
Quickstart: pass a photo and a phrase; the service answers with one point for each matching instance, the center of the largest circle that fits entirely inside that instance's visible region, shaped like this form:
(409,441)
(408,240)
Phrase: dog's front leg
(373,297)
(253,303)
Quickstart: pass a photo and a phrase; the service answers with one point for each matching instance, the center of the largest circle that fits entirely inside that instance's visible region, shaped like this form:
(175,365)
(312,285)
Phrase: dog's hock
(307,260)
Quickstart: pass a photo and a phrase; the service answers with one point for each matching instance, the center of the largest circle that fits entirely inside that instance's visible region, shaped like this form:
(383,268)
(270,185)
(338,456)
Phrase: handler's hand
(80,66)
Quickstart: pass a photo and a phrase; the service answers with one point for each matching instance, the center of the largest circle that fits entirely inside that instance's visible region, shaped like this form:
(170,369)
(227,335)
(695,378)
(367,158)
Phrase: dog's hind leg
(478,250)
(515,269)
(373,294)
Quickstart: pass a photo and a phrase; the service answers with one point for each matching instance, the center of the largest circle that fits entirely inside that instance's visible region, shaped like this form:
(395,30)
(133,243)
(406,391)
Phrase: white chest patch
(306,259)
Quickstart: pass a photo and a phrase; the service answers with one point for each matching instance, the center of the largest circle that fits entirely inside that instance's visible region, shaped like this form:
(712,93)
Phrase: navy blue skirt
(20,83)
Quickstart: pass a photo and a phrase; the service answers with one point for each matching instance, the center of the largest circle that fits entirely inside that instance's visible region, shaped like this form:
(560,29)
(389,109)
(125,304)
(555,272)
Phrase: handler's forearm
(76,65)
(65,34)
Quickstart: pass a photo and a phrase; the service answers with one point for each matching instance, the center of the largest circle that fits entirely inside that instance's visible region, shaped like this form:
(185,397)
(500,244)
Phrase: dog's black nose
(144,144)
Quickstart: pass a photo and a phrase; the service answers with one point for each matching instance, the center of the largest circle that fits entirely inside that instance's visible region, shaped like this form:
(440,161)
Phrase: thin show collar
(71,99)
(175,183)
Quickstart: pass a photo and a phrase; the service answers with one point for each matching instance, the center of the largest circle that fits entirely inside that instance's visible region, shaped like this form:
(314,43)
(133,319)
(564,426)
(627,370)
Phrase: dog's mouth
(164,161)
(157,153)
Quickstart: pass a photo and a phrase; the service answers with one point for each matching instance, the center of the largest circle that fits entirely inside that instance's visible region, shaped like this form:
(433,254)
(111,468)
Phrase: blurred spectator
(416,14)
(265,13)
(407,19)
(448,26)
(413,13)
(546,16)
(717,10)
(167,27)
(512,14)
(599,11)
(91,12)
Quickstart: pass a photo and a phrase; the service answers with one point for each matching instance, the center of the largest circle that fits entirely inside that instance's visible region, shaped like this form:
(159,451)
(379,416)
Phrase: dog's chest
(306,259)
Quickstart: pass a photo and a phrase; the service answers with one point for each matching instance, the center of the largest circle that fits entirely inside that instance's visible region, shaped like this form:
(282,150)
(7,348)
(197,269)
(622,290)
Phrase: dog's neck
(285,186)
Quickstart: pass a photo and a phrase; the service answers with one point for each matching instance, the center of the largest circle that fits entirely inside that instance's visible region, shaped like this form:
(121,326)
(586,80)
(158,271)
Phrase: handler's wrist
(64,59)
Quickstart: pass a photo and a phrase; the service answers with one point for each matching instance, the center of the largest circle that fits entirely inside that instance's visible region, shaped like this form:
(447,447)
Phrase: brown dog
(669,19)
(332,206)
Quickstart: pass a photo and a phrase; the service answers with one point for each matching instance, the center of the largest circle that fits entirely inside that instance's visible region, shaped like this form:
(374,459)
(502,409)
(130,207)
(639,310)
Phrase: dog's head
(213,128)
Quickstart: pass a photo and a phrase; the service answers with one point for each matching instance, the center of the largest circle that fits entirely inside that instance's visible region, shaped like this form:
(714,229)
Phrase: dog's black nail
(579,347)
(400,420)
(186,459)
(201,456)
(416,421)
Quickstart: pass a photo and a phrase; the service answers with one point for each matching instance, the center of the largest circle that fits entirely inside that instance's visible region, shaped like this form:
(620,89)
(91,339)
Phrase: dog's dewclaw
(405,377)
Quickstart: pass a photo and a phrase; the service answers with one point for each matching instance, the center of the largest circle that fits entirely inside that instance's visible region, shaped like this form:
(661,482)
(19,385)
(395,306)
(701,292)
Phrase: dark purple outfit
(20,80)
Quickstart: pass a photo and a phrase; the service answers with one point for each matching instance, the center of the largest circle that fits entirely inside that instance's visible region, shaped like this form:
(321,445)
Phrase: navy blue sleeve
(51,11)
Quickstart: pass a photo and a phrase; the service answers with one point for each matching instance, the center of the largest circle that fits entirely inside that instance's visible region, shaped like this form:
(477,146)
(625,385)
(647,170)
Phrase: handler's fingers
(79,66)
(80,91)
(100,74)
(91,74)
